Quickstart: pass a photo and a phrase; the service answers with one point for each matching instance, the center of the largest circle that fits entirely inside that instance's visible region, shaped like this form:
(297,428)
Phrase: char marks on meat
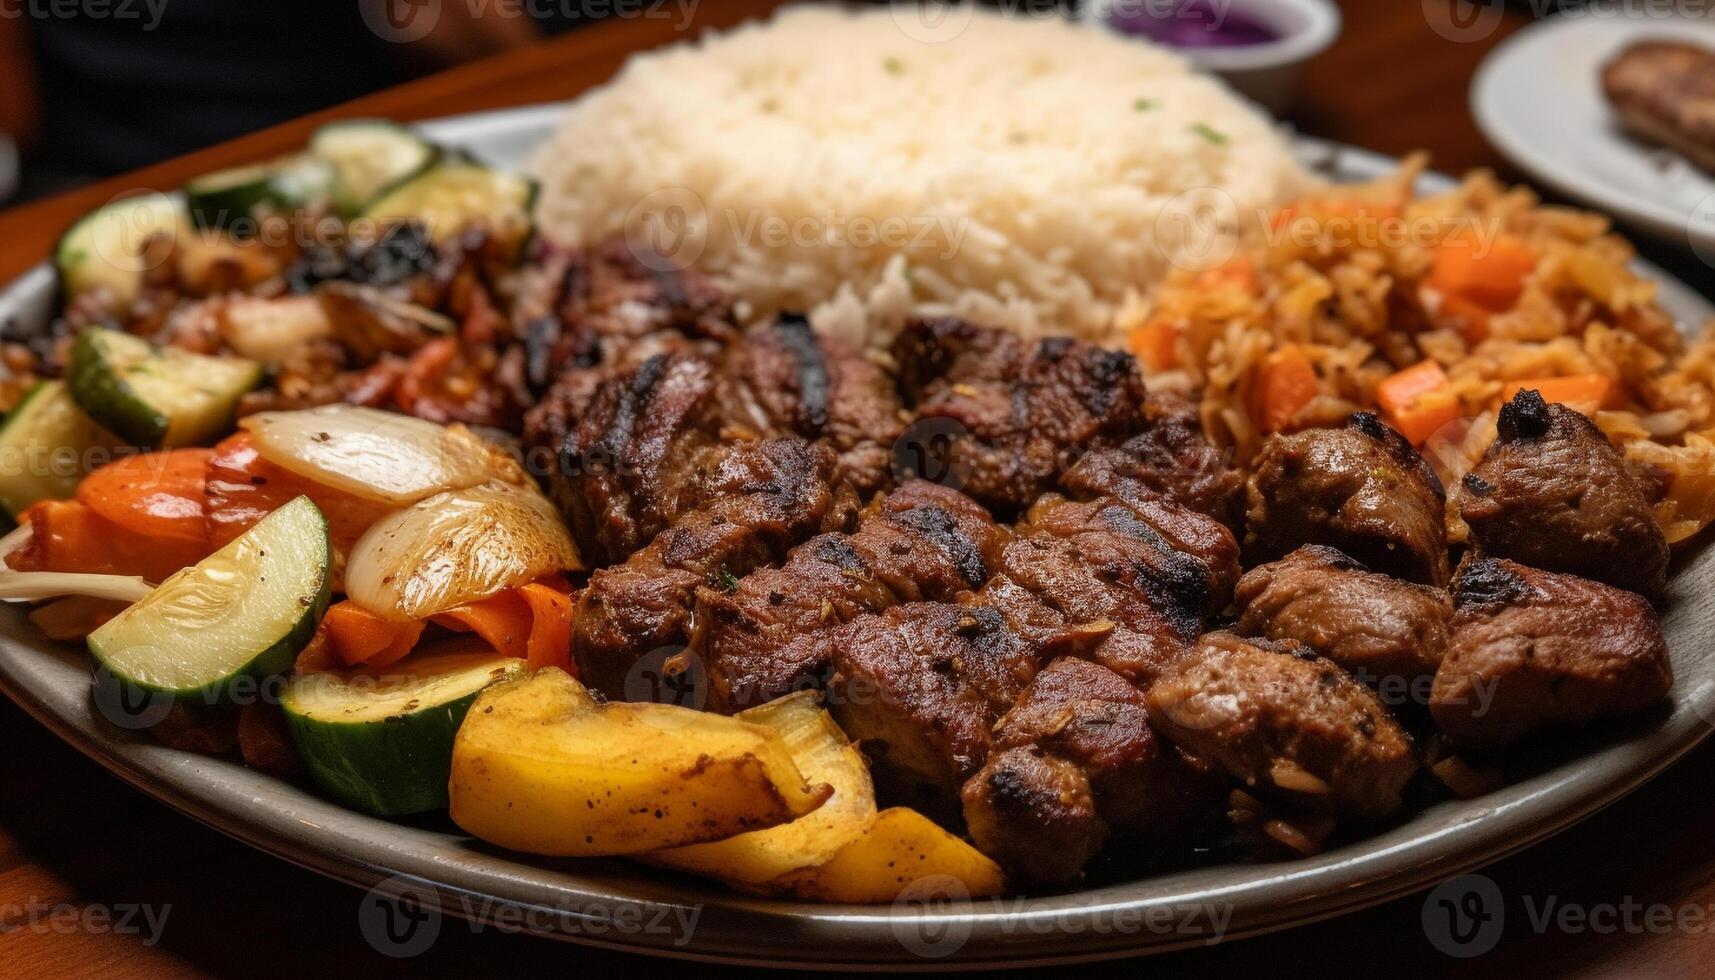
(1020,412)
(631,465)
(1282,720)
(1532,649)
(1171,458)
(783,377)
(1362,489)
(766,634)
(1377,627)
(1553,493)
(761,498)
(1075,761)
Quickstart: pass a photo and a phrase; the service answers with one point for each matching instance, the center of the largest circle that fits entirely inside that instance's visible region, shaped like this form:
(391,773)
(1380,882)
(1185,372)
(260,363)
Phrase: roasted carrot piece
(1284,383)
(1156,343)
(66,536)
(243,488)
(1417,401)
(551,628)
(503,620)
(357,636)
(1584,392)
(159,495)
(1488,270)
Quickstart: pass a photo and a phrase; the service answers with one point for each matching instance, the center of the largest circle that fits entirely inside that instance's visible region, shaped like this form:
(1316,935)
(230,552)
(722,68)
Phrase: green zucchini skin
(393,767)
(103,393)
(99,384)
(44,423)
(242,682)
(229,200)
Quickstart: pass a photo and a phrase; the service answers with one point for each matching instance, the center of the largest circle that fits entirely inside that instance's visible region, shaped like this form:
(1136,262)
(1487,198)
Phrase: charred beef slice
(761,499)
(1287,723)
(1074,762)
(783,377)
(1532,649)
(1375,626)
(1017,413)
(1362,489)
(1553,493)
(922,542)
(1171,458)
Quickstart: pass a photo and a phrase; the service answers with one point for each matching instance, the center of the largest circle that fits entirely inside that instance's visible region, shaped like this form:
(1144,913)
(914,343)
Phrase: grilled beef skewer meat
(783,377)
(1287,723)
(1533,649)
(921,542)
(1017,413)
(1362,489)
(761,499)
(1553,493)
(1381,629)
(1171,459)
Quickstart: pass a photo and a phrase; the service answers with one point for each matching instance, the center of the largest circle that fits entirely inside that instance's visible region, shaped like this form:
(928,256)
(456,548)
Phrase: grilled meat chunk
(783,377)
(921,685)
(1362,489)
(1171,458)
(1283,720)
(1664,92)
(1019,412)
(762,498)
(1533,649)
(1075,761)
(631,464)
(1377,627)
(1553,493)
(923,542)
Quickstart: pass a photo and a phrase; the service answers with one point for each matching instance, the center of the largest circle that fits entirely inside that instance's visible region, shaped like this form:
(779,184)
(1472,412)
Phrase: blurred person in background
(92,88)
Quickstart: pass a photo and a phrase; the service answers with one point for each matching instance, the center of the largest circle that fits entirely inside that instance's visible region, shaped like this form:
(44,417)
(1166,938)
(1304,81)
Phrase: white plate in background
(1538,98)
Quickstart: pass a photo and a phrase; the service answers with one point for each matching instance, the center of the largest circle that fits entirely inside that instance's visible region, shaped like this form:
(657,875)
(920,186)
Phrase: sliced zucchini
(157,396)
(230,199)
(104,249)
(383,743)
(449,199)
(43,444)
(243,612)
(368,156)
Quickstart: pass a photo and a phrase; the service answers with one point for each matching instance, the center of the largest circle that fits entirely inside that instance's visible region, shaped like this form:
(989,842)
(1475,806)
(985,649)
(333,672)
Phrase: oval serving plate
(622,906)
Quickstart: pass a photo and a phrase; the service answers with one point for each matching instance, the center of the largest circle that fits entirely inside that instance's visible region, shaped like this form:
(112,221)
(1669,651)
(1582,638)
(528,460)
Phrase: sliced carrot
(357,636)
(1585,392)
(551,627)
(243,488)
(159,495)
(1488,270)
(1284,384)
(503,620)
(1417,401)
(66,536)
(1468,316)
(1156,343)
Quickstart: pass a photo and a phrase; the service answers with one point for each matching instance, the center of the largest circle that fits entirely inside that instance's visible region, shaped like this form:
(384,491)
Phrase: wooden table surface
(84,858)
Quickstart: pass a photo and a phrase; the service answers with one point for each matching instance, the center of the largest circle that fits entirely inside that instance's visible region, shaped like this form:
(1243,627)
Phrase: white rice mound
(867,166)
